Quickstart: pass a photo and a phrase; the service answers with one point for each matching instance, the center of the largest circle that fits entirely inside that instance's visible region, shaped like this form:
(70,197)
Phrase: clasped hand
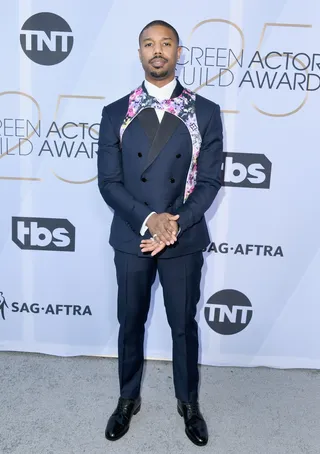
(163,228)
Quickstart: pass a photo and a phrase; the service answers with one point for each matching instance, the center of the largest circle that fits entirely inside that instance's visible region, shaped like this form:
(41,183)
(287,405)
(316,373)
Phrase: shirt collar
(162,93)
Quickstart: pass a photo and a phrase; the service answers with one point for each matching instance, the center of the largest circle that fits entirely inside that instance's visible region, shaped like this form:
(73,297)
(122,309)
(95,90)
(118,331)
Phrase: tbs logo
(246,170)
(43,234)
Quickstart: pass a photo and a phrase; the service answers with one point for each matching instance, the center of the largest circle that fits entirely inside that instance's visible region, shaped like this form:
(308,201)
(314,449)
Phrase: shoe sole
(118,438)
(191,439)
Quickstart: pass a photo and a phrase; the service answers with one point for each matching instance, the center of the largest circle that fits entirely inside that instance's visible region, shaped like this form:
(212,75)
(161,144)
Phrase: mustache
(157,58)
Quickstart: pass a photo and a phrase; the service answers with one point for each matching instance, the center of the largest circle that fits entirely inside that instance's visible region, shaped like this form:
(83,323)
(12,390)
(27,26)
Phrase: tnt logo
(246,170)
(228,312)
(43,234)
(46,39)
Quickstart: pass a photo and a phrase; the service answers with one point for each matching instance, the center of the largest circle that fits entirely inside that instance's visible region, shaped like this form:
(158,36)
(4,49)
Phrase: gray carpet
(51,405)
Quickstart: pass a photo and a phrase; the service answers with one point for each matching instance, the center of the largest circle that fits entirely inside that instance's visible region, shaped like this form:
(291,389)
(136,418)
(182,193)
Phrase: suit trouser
(180,279)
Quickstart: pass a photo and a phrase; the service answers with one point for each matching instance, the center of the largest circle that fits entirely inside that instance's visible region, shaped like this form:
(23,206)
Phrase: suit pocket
(121,230)
(178,203)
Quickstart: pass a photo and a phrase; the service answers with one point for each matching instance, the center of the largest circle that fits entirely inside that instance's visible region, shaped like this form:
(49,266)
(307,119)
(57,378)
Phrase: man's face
(159,52)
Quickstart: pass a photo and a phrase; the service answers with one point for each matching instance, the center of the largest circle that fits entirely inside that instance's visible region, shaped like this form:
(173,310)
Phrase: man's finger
(164,222)
(153,249)
(173,237)
(164,235)
(164,240)
(157,238)
(147,249)
(154,235)
(169,228)
(156,251)
(150,241)
(173,218)
(148,246)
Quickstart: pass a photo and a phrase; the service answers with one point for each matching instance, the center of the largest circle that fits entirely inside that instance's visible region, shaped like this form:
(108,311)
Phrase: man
(159,166)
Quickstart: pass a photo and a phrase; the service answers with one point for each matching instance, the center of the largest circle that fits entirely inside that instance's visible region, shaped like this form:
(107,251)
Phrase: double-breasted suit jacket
(146,170)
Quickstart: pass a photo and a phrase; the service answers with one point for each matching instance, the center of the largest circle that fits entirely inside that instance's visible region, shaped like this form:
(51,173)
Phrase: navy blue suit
(147,172)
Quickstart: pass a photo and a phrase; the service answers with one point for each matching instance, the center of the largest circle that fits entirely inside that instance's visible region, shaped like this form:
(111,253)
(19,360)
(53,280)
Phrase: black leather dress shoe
(119,421)
(196,427)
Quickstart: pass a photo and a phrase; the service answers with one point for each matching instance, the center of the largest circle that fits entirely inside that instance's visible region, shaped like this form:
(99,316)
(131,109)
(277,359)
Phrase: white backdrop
(260,284)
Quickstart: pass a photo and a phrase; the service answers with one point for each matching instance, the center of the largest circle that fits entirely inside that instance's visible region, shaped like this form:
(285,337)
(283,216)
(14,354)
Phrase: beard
(159,74)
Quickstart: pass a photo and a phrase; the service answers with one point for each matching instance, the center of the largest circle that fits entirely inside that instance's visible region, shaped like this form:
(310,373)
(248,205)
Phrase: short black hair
(164,24)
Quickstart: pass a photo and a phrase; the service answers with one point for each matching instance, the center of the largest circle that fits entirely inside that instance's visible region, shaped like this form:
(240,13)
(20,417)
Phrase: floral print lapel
(183,106)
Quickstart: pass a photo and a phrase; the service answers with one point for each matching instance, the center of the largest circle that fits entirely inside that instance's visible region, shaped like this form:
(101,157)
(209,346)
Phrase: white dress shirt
(162,93)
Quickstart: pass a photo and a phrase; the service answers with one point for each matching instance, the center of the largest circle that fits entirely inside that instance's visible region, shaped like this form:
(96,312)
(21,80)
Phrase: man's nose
(157,49)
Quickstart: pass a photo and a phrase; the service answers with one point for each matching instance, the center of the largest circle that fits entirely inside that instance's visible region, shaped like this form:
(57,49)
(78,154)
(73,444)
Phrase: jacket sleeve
(110,177)
(208,174)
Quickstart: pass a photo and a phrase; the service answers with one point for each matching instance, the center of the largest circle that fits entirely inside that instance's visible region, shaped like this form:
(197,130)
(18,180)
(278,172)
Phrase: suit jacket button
(178,155)
(146,203)
(143,179)
(140,155)
(170,205)
(172,180)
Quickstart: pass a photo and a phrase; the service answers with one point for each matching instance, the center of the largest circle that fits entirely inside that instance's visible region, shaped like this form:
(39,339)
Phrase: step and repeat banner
(61,63)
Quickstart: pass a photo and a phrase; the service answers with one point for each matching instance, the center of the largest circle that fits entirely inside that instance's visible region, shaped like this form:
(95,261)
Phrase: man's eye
(147,45)
(167,44)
